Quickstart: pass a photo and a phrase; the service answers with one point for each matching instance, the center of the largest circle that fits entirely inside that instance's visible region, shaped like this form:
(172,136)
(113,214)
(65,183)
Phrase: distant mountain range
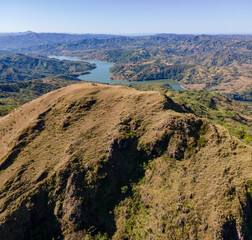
(201,49)
(9,41)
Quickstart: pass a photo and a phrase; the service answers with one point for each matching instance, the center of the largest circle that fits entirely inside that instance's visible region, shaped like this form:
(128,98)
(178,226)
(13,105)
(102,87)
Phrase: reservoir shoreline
(101,74)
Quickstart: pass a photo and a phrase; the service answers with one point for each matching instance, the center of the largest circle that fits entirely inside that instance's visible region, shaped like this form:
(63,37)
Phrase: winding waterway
(101,74)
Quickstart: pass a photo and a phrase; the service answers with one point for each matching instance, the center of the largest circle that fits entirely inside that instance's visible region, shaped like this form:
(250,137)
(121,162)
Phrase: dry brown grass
(187,198)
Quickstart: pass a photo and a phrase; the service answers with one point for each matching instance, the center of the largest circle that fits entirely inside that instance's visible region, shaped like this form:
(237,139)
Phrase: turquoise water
(101,74)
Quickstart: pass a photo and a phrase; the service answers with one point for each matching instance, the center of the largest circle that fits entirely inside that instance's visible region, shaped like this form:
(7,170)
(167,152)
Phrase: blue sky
(127,16)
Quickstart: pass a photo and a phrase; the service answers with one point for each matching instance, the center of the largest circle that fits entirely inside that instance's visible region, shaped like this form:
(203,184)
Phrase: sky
(127,16)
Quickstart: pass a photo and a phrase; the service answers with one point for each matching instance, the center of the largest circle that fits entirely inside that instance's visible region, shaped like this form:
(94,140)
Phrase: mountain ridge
(10,41)
(99,161)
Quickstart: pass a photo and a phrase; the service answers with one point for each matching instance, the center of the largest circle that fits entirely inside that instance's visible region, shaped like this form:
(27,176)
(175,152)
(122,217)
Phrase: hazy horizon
(126,34)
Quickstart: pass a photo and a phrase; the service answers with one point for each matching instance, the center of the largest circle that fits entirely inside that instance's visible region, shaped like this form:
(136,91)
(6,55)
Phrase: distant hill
(220,50)
(240,37)
(195,49)
(10,41)
(16,33)
(223,79)
(19,67)
(3,52)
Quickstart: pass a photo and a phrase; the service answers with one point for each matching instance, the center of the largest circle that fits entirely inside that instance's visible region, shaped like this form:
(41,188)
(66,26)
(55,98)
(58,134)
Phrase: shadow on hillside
(247,218)
(124,168)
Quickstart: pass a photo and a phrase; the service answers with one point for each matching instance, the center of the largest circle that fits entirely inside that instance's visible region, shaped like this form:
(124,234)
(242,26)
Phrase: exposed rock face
(100,161)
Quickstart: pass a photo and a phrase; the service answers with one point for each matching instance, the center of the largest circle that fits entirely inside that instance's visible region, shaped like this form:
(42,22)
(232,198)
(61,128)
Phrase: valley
(218,63)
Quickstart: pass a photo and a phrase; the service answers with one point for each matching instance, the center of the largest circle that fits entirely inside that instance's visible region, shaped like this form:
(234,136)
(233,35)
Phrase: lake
(101,74)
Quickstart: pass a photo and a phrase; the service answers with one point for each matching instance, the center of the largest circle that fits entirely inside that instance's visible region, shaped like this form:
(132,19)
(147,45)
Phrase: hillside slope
(19,67)
(96,162)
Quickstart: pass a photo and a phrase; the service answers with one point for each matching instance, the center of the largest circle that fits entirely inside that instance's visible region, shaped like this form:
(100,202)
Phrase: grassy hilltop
(99,162)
